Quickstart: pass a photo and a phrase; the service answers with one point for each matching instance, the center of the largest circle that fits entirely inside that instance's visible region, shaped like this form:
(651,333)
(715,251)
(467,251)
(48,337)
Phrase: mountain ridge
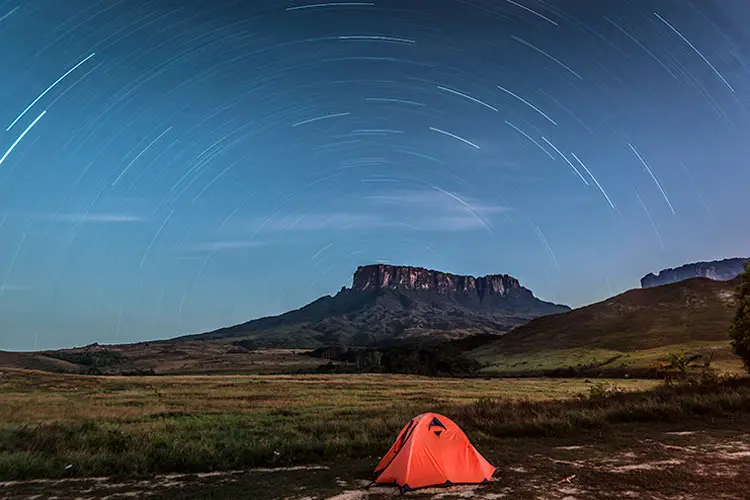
(389,304)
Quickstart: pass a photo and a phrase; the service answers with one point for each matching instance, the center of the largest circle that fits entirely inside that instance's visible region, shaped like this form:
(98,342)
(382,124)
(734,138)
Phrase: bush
(740,331)
(606,406)
(601,390)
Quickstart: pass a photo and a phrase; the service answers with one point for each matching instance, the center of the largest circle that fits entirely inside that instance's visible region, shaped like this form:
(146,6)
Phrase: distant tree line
(94,358)
(432,360)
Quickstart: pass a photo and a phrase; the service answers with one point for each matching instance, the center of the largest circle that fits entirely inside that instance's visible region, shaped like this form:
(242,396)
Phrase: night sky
(174,166)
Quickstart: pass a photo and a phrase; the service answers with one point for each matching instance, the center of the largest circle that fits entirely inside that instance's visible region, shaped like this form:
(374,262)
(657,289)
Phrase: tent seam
(411,450)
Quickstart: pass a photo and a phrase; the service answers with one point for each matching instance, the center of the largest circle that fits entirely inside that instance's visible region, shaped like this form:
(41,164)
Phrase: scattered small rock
(350,495)
(647,466)
(520,470)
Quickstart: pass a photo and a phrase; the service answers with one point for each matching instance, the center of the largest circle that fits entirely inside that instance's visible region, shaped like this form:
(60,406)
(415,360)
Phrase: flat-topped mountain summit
(389,304)
(493,292)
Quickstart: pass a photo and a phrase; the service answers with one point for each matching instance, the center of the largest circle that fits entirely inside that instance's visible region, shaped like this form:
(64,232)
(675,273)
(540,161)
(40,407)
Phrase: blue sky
(171,167)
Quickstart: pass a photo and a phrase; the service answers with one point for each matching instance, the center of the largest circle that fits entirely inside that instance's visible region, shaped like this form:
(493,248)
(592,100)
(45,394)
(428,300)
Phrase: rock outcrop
(719,270)
(419,279)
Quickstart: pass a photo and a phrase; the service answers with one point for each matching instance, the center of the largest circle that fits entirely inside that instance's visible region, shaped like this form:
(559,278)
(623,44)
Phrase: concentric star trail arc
(465,141)
(20,137)
(47,91)
(651,173)
(173,167)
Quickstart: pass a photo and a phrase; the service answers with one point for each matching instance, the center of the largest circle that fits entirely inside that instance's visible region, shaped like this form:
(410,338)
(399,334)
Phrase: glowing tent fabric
(431,450)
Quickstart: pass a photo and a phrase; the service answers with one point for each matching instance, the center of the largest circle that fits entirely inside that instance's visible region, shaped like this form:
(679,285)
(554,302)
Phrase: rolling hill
(629,331)
(36,361)
(185,358)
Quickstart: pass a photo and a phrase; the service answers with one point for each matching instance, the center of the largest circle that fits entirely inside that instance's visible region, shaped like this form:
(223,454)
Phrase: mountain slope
(395,304)
(36,361)
(637,327)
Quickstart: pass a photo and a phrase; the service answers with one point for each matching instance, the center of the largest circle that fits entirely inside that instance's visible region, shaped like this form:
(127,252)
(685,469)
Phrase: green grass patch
(603,362)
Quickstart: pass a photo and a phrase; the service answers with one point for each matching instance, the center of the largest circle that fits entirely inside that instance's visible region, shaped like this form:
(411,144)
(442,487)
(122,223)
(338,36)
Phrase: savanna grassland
(55,425)
(143,425)
(207,436)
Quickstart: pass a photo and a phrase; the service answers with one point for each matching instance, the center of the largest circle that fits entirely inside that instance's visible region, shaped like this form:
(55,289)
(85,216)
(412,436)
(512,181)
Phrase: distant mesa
(719,270)
(477,291)
(389,305)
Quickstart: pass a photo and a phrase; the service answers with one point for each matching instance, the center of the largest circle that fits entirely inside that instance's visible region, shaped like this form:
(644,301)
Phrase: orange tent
(431,450)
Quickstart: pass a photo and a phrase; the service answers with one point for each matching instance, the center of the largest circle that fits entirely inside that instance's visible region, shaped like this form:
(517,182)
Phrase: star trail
(174,167)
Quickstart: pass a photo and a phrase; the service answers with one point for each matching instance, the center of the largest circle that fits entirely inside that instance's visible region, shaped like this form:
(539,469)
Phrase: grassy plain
(142,425)
(54,425)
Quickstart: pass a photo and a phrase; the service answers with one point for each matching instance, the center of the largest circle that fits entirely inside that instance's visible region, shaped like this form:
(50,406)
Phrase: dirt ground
(664,462)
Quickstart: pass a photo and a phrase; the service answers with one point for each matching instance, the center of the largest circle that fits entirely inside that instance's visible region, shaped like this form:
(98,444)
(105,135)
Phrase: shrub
(740,330)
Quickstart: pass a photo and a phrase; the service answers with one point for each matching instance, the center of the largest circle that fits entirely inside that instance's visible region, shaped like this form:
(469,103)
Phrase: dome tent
(432,450)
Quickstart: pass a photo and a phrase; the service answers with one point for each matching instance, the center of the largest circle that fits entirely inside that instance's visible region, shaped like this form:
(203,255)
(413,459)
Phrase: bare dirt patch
(632,462)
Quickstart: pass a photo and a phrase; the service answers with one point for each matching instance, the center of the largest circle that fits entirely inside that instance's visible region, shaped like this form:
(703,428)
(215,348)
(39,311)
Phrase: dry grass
(185,358)
(32,397)
(67,425)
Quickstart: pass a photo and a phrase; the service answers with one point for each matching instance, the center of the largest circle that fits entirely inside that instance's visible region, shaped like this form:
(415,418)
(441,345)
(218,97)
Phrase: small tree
(683,364)
(681,368)
(740,330)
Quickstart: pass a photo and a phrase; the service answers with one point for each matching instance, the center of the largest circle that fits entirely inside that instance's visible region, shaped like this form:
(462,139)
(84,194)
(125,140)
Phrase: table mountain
(720,270)
(389,305)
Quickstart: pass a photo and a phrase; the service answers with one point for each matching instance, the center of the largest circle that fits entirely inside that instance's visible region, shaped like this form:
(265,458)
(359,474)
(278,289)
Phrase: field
(68,426)
(138,425)
(186,358)
(605,361)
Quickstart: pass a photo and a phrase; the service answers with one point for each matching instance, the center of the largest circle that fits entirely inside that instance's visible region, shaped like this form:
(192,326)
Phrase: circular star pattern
(172,167)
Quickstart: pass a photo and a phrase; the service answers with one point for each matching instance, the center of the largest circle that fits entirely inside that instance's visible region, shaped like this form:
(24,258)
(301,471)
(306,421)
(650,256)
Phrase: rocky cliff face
(418,279)
(720,270)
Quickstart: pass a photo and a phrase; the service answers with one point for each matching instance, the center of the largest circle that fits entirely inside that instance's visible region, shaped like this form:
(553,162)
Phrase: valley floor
(686,461)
